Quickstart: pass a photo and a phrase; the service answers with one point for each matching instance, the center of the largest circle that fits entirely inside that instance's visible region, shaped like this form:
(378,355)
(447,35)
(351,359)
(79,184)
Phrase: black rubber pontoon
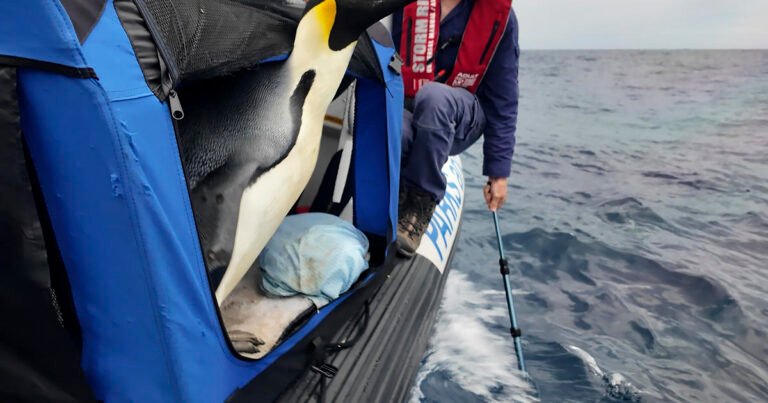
(382,362)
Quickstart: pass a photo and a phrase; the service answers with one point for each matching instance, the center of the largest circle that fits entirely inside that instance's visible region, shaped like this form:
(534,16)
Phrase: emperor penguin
(250,141)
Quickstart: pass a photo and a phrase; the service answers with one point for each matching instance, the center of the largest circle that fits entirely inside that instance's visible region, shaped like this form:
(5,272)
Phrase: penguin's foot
(245,342)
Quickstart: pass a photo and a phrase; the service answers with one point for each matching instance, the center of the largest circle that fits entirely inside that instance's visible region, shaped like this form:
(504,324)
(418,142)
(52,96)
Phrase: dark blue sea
(637,231)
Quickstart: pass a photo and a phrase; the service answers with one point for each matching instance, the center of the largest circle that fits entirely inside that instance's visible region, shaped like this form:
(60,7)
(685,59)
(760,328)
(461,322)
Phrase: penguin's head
(343,21)
(324,43)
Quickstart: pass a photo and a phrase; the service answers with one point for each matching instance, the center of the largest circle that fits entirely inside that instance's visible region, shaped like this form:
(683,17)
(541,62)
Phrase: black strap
(271,383)
(361,326)
(322,351)
(76,72)
(324,199)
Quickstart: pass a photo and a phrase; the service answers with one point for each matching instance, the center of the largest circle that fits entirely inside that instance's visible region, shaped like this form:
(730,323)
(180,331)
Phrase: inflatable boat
(107,289)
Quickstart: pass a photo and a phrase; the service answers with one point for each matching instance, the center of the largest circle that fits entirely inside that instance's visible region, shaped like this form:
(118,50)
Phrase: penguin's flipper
(216,203)
(254,126)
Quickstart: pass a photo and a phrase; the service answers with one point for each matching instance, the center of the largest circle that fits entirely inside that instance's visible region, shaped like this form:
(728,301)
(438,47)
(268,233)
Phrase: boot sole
(402,251)
(405,254)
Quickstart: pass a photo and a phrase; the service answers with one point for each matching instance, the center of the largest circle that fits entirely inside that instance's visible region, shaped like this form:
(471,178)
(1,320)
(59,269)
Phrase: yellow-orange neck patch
(325,13)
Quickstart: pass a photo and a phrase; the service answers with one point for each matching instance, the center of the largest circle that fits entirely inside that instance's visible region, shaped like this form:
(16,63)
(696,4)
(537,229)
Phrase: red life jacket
(418,43)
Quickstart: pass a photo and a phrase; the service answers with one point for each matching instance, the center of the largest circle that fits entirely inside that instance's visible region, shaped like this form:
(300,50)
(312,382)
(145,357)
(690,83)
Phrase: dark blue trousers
(445,121)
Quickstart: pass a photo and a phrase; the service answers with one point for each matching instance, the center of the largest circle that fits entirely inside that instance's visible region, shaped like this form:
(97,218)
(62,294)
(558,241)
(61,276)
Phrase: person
(460,77)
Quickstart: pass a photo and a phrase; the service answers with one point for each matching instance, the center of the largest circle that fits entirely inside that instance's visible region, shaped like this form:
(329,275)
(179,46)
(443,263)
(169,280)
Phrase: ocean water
(637,232)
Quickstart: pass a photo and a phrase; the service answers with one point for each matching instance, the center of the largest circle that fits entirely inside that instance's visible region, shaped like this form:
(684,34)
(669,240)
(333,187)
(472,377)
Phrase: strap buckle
(326,370)
(396,63)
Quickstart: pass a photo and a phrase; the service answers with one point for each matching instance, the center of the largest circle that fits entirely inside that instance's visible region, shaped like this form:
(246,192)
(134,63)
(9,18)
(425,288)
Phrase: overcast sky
(642,24)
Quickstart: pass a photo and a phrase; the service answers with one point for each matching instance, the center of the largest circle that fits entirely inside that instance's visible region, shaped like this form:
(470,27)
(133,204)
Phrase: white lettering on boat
(441,233)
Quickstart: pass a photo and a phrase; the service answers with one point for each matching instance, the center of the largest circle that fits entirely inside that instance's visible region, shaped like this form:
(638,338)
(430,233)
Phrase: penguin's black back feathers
(235,129)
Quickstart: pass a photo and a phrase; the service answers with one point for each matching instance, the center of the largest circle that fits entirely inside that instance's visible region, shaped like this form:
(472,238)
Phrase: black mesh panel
(201,39)
(207,38)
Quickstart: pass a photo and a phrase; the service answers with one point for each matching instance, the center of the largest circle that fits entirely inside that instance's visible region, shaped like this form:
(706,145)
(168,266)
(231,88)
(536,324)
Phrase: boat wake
(471,356)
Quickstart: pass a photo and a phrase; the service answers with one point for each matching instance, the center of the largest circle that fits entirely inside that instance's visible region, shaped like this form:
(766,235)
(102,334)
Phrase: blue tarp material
(107,159)
(315,254)
(39,30)
(379,133)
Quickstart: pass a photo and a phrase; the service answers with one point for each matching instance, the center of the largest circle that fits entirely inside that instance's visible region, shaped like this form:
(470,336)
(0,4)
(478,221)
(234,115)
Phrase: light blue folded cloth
(314,254)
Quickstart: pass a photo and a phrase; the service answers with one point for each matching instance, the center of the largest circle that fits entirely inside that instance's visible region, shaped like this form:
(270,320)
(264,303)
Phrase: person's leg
(445,121)
(469,131)
(407,139)
(407,135)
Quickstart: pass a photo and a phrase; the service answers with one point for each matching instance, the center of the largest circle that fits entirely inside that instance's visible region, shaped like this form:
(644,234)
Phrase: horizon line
(634,49)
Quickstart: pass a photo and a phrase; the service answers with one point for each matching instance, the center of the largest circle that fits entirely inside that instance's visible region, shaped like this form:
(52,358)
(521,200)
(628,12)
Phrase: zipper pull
(176,111)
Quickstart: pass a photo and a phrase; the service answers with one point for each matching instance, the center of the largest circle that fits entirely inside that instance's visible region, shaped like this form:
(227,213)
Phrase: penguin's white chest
(267,201)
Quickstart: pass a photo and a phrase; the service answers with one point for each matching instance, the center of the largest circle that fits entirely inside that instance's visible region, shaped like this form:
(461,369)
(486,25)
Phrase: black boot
(415,211)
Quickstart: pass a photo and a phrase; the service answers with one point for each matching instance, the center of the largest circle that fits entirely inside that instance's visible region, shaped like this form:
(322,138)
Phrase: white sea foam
(479,359)
(616,385)
(588,359)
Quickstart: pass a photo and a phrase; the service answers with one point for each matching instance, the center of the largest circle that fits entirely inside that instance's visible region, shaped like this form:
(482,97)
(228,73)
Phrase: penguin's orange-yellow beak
(325,15)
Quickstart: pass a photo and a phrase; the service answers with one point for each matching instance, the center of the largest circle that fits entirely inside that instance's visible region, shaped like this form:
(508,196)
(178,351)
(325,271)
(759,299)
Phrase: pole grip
(504,266)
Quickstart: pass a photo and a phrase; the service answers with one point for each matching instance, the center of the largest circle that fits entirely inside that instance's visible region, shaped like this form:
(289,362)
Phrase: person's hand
(495,192)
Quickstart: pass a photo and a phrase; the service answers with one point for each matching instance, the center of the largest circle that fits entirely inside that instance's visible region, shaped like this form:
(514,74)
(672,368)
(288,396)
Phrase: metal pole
(504,267)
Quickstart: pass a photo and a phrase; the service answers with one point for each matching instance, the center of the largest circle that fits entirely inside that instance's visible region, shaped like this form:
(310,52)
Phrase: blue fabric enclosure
(108,163)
